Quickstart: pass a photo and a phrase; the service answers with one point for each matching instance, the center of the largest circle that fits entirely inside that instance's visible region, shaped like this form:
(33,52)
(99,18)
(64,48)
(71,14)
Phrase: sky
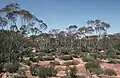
(62,13)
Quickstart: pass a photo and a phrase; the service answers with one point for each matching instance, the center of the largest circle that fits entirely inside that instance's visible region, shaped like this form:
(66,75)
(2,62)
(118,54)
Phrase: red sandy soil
(81,67)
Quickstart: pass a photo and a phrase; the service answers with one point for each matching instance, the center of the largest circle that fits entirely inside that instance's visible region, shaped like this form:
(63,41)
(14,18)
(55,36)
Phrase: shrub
(73,71)
(86,59)
(34,59)
(109,72)
(21,73)
(56,62)
(27,62)
(34,70)
(112,61)
(75,56)
(118,56)
(49,58)
(66,58)
(46,50)
(41,54)
(40,58)
(29,54)
(92,64)
(68,63)
(51,71)
(43,71)
(97,71)
(11,67)
(65,52)
(1,67)
(74,62)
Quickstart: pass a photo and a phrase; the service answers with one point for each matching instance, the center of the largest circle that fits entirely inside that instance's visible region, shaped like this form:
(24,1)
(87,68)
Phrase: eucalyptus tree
(70,32)
(106,26)
(82,34)
(100,27)
(89,32)
(3,22)
(62,36)
(55,37)
(12,39)
(13,14)
(90,23)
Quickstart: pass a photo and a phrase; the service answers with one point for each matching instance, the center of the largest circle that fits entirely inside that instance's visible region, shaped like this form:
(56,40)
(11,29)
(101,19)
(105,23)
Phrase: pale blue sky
(62,13)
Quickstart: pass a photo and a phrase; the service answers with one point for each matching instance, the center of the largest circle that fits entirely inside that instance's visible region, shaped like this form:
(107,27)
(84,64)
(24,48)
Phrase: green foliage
(34,70)
(46,50)
(117,56)
(34,59)
(66,58)
(109,72)
(114,61)
(21,73)
(11,46)
(1,68)
(117,46)
(86,59)
(41,54)
(94,67)
(48,58)
(56,62)
(110,53)
(27,62)
(43,71)
(117,52)
(40,58)
(29,54)
(74,62)
(97,71)
(11,67)
(92,64)
(75,56)
(51,71)
(73,71)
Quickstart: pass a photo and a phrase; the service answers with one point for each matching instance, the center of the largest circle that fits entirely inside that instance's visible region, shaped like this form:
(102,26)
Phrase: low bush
(67,63)
(41,54)
(27,62)
(97,71)
(34,70)
(43,72)
(74,62)
(118,56)
(1,67)
(86,59)
(40,58)
(109,72)
(112,61)
(75,56)
(73,71)
(11,67)
(66,58)
(29,54)
(48,58)
(34,59)
(56,62)
(92,64)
